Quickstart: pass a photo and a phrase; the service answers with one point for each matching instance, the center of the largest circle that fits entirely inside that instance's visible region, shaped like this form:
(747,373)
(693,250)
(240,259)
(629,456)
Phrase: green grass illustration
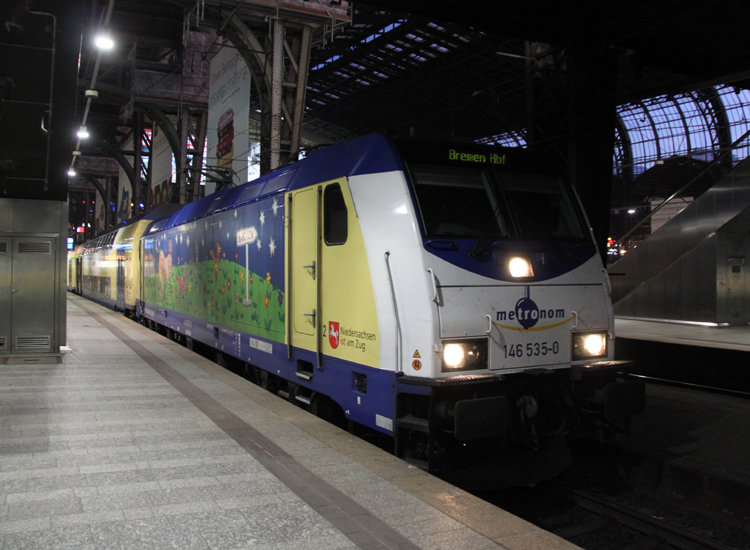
(217,296)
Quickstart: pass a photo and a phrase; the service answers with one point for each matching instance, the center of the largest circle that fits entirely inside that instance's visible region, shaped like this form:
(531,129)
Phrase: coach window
(335,224)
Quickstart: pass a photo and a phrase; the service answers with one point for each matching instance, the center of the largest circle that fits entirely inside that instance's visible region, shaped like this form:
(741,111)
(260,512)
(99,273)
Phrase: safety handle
(434,285)
(311,315)
(310,267)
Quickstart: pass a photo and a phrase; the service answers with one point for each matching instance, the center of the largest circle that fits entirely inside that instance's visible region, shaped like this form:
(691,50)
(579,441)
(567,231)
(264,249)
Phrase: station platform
(730,337)
(134,442)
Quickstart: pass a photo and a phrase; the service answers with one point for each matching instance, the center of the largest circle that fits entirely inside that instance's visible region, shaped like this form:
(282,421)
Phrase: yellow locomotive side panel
(351,320)
(333,301)
(71,273)
(128,250)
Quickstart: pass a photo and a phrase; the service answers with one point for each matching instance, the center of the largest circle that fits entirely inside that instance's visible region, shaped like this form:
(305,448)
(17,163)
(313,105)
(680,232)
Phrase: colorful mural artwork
(224,274)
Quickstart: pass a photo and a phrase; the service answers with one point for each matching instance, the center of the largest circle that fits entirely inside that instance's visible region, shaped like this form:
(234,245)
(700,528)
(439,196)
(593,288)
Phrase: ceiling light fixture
(83,133)
(104,41)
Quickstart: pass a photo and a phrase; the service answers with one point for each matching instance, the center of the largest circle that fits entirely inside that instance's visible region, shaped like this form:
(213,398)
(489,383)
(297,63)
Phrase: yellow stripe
(536,329)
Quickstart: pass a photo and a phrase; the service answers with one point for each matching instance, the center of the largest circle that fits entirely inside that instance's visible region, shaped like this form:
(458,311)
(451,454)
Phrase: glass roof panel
(737,106)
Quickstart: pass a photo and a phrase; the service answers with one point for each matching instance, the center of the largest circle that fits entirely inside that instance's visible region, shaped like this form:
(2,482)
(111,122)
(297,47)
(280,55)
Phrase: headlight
(589,344)
(520,267)
(453,355)
(464,355)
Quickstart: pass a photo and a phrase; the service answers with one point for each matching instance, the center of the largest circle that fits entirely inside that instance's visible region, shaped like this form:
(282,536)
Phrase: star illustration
(275,206)
(272,247)
(258,244)
(262,218)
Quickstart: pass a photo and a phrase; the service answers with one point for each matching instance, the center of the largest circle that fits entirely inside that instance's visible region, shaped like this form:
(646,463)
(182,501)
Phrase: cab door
(304,269)
(79,275)
(121,284)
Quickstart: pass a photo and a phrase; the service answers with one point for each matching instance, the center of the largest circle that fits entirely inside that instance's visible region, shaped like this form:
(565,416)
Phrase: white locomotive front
(494,308)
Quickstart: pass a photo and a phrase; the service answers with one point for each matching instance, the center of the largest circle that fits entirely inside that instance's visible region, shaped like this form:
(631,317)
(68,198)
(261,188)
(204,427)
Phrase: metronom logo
(527,313)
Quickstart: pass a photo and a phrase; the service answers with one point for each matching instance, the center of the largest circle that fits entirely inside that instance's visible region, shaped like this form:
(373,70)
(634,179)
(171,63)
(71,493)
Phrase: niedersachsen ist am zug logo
(528,314)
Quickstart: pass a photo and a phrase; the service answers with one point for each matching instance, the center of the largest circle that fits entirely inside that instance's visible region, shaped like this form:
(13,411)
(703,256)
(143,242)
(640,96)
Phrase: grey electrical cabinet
(33,258)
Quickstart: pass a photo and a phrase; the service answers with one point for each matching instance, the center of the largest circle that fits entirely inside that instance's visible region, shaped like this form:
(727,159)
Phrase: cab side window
(335,221)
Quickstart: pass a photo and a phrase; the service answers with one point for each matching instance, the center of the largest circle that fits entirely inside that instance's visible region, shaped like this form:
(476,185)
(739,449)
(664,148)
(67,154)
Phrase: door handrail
(395,313)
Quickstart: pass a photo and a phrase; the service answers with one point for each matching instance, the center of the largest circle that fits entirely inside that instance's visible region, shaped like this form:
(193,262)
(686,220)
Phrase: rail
(676,536)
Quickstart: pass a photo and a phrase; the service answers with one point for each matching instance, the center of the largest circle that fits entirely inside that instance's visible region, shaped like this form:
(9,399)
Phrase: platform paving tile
(415,530)
(59,471)
(332,542)
(387,499)
(107,466)
(145,534)
(115,502)
(226,451)
(463,538)
(53,504)
(59,538)
(55,483)
(24,525)
(87,518)
(25,461)
(127,488)
(403,515)
(10,486)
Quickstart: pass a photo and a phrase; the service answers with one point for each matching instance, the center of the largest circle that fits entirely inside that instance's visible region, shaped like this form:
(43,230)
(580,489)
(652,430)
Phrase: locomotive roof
(371,154)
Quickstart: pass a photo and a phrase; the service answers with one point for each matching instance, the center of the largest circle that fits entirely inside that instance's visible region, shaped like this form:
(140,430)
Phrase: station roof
(444,69)
(461,69)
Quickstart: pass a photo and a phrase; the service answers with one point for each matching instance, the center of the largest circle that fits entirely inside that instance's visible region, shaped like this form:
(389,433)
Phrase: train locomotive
(448,296)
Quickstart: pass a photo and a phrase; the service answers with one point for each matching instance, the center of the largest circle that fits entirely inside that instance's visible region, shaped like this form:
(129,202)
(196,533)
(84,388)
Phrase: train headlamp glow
(453,355)
(464,355)
(589,344)
(520,267)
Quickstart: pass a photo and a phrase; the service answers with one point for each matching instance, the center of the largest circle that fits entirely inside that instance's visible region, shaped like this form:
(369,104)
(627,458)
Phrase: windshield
(488,203)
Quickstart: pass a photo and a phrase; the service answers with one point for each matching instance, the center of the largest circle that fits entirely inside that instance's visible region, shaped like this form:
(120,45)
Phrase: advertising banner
(161,169)
(228,114)
(124,191)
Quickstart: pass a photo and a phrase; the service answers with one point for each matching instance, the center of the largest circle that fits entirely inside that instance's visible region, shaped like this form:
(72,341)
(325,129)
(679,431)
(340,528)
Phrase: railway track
(596,506)
(654,527)
(691,386)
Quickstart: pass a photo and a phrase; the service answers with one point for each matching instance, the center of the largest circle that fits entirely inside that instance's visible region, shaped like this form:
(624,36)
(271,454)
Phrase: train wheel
(324,407)
(267,381)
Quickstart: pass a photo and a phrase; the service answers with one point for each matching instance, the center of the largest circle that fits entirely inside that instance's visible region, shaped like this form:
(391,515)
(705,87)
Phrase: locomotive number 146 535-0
(531,349)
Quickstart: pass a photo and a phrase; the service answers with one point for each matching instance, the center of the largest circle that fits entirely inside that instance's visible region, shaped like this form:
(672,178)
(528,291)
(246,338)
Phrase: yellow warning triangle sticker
(416,354)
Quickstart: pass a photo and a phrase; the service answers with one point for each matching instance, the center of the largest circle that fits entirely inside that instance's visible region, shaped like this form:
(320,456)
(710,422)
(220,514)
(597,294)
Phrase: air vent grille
(26,247)
(32,342)
(3,247)
(2,343)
